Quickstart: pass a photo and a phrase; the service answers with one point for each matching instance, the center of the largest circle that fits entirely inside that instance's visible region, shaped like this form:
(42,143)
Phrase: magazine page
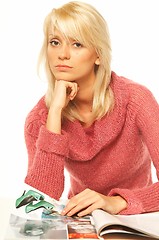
(26,217)
(23,228)
(138,224)
(50,226)
(77,227)
(32,217)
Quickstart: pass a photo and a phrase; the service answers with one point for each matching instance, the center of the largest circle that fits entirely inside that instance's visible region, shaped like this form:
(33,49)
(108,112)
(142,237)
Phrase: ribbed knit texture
(113,156)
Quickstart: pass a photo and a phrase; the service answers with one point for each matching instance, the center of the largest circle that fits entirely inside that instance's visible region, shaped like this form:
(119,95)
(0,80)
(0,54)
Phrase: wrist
(55,109)
(121,203)
(53,122)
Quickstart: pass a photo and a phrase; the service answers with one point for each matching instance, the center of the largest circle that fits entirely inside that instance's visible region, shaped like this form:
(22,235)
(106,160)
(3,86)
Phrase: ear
(97,62)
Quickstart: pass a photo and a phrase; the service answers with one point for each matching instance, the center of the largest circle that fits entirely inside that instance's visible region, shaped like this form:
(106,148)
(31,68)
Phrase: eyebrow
(51,36)
(54,36)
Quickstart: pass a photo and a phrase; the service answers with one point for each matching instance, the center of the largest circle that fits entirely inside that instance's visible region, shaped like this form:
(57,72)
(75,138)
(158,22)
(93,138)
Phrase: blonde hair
(81,21)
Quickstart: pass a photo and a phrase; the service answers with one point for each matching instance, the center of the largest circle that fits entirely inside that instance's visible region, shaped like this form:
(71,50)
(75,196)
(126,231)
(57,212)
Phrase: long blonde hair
(81,21)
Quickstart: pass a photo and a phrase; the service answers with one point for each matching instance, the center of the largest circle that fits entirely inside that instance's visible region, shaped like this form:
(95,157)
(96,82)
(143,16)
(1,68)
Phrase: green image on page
(28,197)
(41,204)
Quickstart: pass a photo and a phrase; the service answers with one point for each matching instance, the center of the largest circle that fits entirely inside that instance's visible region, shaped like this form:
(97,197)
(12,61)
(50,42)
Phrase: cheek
(50,58)
(85,59)
(50,55)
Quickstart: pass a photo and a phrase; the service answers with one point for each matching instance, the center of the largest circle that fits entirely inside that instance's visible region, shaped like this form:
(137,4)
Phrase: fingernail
(63,212)
(69,214)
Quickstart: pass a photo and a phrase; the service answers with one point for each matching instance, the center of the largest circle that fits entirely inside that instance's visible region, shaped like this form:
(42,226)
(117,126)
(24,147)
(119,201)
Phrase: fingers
(72,89)
(83,203)
(88,210)
(73,206)
(64,91)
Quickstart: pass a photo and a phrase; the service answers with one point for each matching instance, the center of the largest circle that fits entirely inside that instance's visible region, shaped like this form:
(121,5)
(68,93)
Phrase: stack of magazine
(47,223)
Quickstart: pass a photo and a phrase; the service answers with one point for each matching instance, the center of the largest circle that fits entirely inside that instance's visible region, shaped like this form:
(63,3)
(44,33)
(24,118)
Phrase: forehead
(69,29)
(57,34)
(65,34)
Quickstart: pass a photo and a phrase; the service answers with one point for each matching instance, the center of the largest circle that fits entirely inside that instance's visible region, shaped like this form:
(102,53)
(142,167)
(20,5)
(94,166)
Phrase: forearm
(139,200)
(46,152)
(53,122)
(47,175)
(46,156)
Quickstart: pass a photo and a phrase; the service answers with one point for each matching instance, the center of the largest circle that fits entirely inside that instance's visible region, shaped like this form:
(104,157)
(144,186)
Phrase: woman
(101,127)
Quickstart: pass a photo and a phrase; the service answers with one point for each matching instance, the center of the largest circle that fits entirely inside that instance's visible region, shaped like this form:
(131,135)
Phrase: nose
(64,52)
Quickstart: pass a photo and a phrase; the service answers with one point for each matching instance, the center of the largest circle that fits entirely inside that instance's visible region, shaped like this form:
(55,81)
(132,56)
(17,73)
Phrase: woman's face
(69,60)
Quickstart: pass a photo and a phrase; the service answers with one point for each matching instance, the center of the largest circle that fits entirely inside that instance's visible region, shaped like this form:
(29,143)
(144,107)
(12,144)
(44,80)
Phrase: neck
(84,98)
(83,102)
(84,108)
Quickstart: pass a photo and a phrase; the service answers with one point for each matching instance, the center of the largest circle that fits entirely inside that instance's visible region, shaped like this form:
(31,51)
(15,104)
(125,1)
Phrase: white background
(134,29)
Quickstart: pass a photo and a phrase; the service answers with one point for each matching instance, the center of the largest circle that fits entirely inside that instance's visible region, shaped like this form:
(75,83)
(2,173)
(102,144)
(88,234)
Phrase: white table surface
(6,206)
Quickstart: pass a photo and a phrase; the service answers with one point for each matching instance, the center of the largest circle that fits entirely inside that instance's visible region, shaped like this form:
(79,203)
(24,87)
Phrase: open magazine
(146,224)
(36,218)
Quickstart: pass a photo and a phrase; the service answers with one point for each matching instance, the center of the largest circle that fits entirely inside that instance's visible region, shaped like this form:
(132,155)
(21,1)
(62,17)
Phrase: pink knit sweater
(112,157)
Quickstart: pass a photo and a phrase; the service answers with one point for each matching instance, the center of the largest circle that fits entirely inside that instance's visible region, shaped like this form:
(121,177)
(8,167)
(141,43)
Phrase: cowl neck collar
(84,146)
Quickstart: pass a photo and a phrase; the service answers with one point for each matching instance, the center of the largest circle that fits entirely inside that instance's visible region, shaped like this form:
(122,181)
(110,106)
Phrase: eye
(54,42)
(77,44)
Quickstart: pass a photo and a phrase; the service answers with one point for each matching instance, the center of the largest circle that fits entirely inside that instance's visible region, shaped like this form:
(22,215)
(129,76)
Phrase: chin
(65,79)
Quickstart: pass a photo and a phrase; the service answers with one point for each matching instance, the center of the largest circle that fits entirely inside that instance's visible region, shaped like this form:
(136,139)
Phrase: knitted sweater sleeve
(147,119)
(46,153)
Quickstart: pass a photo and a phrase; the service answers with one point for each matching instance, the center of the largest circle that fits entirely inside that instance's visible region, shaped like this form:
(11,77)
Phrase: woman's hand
(88,200)
(64,92)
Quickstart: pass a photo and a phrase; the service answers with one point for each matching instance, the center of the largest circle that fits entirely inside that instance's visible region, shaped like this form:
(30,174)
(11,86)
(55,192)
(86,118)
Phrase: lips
(62,66)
